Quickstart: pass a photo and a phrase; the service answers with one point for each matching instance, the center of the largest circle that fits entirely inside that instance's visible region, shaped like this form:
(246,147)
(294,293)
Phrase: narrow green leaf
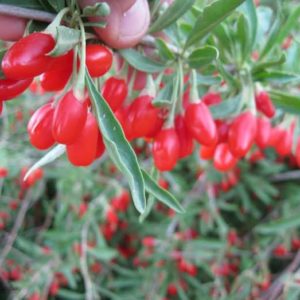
(66,39)
(279,225)
(141,62)
(163,49)
(272,63)
(287,102)
(57,5)
(51,156)
(211,16)
(118,147)
(173,13)
(66,294)
(243,32)
(105,254)
(161,194)
(277,77)
(225,108)
(202,56)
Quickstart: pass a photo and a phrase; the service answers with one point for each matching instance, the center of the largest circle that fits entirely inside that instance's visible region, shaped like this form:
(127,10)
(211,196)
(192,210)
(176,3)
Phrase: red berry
(212,98)
(265,104)
(242,134)
(39,127)
(100,145)
(172,289)
(285,142)
(207,153)
(280,250)
(83,151)
(10,88)
(115,92)
(3,172)
(58,76)
(166,149)
(69,118)
(223,158)
(149,241)
(263,132)
(184,136)
(200,123)
(28,57)
(98,59)
(143,119)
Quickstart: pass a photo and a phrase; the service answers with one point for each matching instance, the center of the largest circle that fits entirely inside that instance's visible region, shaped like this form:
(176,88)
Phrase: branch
(292,175)
(27,13)
(13,235)
(276,288)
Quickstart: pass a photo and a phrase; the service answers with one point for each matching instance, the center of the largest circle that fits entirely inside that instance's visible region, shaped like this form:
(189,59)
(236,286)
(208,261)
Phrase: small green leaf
(287,102)
(117,146)
(51,156)
(66,39)
(173,13)
(210,17)
(57,5)
(279,225)
(105,254)
(243,36)
(163,49)
(99,9)
(277,77)
(202,56)
(69,295)
(95,24)
(268,64)
(161,194)
(226,108)
(141,62)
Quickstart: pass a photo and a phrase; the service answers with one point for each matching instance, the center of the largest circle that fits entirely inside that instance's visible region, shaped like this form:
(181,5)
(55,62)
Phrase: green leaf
(211,16)
(202,56)
(141,62)
(161,194)
(243,36)
(287,102)
(51,156)
(66,39)
(103,254)
(225,108)
(117,146)
(164,95)
(277,77)
(272,63)
(282,225)
(163,49)
(98,9)
(57,5)
(66,294)
(208,79)
(173,13)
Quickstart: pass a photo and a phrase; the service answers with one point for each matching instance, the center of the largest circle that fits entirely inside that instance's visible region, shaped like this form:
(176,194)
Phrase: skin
(127,23)
(16,28)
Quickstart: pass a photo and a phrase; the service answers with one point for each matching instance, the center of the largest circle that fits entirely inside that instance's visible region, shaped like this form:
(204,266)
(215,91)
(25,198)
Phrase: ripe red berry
(280,250)
(207,153)
(263,132)
(265,104)
(242,134)
(115,92)
(83,151)
(212,98)
(98,59)
(223,158)
(10,88)
(200,123)
(3,172)
(166,149)
(23,60)
(59,74)
(69,118)
(184,136)
(39,127)
(143,119)
(284,146)
(149,241)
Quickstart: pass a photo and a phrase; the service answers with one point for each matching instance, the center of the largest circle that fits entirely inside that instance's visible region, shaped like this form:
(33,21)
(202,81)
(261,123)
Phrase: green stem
(80,82)
(194,91)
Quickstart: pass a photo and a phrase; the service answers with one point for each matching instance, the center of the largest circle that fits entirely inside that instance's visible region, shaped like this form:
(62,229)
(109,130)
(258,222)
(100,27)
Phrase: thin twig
(276,288)
(287,176)
(18,223)
(27,13)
